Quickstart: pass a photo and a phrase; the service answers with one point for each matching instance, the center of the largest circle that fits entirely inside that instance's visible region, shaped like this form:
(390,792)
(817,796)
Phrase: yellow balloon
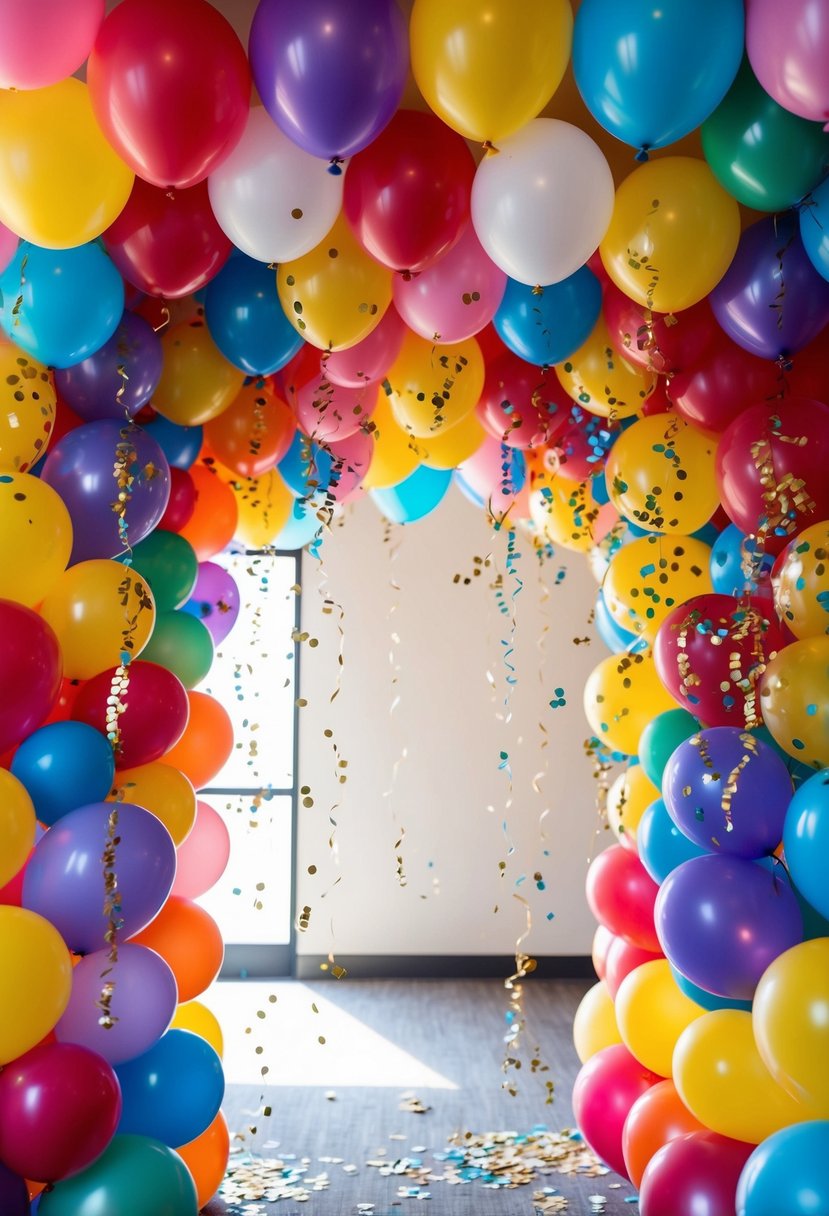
(27,408)
(395,453)
(61,184)
(336,294)
(35,538)
(564,512)
(17,825)
(791,1023)
(594,1026)
(794,700)
(621,696)
(448,449)
(194,1016)
(487,69)
(601,380)
(434,387)
(162,789)
(661,475)
(628,798)
(197,382)
(264,506)
(673,233)
(102,613)
(801,583)
(652,1011)
(648,577)
(35,976)
(723,1081)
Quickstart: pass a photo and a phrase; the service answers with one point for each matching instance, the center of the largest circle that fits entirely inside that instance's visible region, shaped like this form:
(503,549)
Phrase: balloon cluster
(230,321)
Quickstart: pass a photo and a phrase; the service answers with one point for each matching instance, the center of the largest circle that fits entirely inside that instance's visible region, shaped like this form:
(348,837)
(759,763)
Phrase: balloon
(273,200)
(659,343)
(565,513)
(246,320)
(621,67)
(36,966)
(738,565)
(787,1173)
(805,837)
(673,234)
(327,411)
(38,1091)
(494,474)
(594,1023)
(622,694)
(621,895)
(359,71)
(35,538)
(693,1174)
(488,73)
(197,382)
(772,300)
(660,844)
(415,497)
(182,644)
(206,1158)
(164,791)
(27,410)
(181,503)
(547,169)
(141,1004)
(31,666)
(627,799)
(721,921)
(622,958)
(168,565)
(167,242)
(434,387)
(703,998)
(659,739)
(133,1173)
(801,589)
(614,637)
(173,1091)
(335,295)
(787,52)
(190,942)
(203,855)
(652,1011)
(722,1080)
(119,377)
(813,225)
(17,825)
(180,444)
(371,358)
(603,381)
(264,504)
(655,1119)
(194,1016)
(63,766)
(723,383)
(206,743)
(252,435)
(605,1090)
(43,43)
(521,405)
(646,579)
(455,447)
(602,941)
(63,183)
(172,116)
(14,1193)
(61,306)
(793,700)
(214,600)
(547,325)
(57,883)
(212,525)
(790,1028)
(151,712)
(395,453)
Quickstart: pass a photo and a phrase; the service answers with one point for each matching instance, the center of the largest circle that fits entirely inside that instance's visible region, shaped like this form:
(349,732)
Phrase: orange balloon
(206,1158)
(189,941)
(656,1117)
(255,432)
(212,525)
(206,743)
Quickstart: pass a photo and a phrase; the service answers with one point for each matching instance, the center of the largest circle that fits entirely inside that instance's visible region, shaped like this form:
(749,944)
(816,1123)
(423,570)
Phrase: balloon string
(113,916)
(393,538)
(516,1015)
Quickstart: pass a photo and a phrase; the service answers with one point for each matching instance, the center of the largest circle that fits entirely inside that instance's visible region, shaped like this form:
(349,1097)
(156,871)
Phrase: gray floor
(457,1030)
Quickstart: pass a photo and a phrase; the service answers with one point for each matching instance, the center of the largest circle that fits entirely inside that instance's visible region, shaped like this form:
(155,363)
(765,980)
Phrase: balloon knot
(642,155)
(335,167)
(489,148)
(538,290)
(784,362)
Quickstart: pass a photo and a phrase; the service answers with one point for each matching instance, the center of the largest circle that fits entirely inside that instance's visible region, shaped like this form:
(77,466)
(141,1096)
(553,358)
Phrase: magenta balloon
(694,1175)
(81,467)
(351,458)
(606,1088)
(64,879)
(143,1002)
(8,246)
(59,1108)
(456,297)
(368,361)
(203,855)
(327,412)
(788,49)
(31,666)
(214,600)
(119,378)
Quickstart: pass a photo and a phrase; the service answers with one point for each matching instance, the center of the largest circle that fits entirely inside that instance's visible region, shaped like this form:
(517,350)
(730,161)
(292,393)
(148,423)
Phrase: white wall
(449,796)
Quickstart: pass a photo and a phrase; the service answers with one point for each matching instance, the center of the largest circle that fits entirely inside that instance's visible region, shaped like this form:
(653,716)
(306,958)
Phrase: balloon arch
(230,321)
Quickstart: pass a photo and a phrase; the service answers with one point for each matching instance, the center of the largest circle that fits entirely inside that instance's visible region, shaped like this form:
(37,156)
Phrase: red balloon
(407,194)
(663,343)
(182,502)
(808,375)
(660,401)
(693,1175)
(606,1088)
(31,667)
(62,708)
(621,894)
(59,1108)
(522,405)
(170,86)
(771,469)
(724,382)
(167,242)
(155,715)
(622,958)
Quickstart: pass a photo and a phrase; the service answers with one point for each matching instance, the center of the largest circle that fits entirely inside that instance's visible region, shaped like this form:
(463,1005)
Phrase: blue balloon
(172,1092)
(63,766)
(180,444)
(651,73)
(787,1174)
(246,320)
(61,305)
(548,326)
(814,227)
(615,638)
(726,562)
(660,844)
(415,497)
(806,840)
(706,1000)
(304,462)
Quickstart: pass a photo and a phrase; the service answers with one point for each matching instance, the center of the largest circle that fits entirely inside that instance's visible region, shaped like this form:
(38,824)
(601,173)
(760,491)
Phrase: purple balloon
(119,378)
(722,920)
(65,880)
(771,300)
(330,75)
(728,792)
(143,1002)
(214,600)
(87,467)
(14,1194)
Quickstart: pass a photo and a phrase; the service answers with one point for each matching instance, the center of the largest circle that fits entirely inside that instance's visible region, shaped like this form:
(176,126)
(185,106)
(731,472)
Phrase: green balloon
(765,156)
(181,643)
(135,1176)
(169,564)
(660,739)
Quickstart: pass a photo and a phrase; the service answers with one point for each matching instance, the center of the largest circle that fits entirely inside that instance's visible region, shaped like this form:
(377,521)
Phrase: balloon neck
(538,290)
(335,166)
(489,148)
(642,155)
(170,193)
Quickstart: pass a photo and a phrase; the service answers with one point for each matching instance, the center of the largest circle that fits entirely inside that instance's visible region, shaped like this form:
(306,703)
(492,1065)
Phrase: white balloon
(271,198)
(543,202)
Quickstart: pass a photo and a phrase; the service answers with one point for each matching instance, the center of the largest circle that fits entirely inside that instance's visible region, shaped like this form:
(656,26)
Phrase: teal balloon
(173,1091)
(181,643)
(787,1174)
(301,527)
(814,228)
(660,844)
(245,318)
(650,72)
(706,1000)
(169,564)
(61,305)
(415,497)
(545,326)
(134,1176)
(660,739)
(806,840)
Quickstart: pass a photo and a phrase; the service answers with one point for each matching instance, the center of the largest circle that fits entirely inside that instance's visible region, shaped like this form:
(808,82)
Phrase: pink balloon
(328,413)
(621,895)
(788,49)
(351,457)
(203,855)
(368,361)
(606,1088)
(490,473)
(522,405)
(45,41)
(455,298)
(621,959)
(8,246)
